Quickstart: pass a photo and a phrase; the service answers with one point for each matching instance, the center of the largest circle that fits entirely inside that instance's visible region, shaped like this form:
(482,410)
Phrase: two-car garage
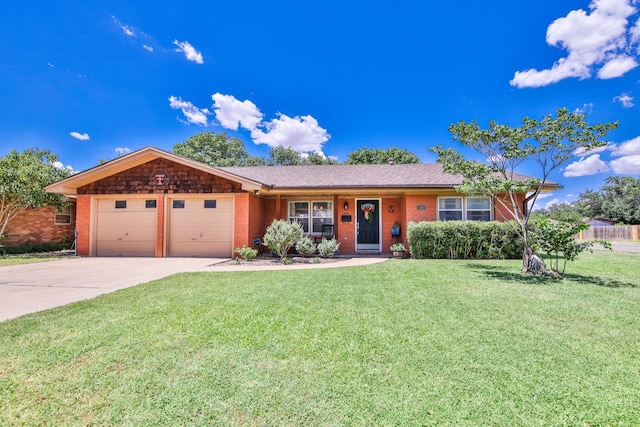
(152,203)
(186,226)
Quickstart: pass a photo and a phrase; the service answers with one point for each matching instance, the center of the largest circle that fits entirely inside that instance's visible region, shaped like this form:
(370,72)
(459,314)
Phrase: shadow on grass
(499,273)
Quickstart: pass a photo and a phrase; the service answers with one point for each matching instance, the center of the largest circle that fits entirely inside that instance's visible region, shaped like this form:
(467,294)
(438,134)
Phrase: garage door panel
(197,230)
(127,231)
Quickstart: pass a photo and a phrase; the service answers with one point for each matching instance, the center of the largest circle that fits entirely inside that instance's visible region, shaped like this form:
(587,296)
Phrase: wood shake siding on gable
(182,179)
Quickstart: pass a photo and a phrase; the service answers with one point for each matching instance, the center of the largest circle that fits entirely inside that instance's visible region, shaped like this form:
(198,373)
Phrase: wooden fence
(610,232)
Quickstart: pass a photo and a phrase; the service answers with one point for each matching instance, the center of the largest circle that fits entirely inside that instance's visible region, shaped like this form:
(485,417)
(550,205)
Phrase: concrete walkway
(28,288)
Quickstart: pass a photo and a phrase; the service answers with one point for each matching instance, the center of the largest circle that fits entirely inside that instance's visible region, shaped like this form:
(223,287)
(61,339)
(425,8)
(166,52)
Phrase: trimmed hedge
(464,240)
(35,248)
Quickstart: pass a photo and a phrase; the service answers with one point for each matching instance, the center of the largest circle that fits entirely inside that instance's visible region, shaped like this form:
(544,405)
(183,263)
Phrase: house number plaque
(160,178)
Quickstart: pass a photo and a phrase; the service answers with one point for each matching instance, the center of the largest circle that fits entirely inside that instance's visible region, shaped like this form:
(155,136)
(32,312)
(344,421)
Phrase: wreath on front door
(368,209)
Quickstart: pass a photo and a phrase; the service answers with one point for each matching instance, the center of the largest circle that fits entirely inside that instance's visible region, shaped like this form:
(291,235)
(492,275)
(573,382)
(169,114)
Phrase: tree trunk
(526,258)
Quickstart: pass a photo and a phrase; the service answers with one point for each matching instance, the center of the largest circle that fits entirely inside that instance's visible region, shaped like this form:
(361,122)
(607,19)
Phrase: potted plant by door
(398,250)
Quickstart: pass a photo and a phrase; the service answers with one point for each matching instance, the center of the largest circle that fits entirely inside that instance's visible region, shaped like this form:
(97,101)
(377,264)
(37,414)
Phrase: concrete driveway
(28,288)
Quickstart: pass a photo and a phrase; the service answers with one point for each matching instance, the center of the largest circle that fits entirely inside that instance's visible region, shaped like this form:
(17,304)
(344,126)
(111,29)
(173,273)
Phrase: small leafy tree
(23,177)
(546,144)
(558,241)
(281,236)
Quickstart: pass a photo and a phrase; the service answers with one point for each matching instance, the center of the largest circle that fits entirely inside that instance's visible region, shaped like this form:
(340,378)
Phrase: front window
(478,209)
(450,208)
(312,215)
(464,208)
(299,211)
(63,216)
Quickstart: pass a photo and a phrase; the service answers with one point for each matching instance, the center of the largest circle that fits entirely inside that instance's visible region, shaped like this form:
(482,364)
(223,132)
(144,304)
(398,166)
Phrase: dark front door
(368,225)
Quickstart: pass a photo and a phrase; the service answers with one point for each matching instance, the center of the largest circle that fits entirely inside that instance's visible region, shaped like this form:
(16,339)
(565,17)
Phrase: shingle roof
(422,175)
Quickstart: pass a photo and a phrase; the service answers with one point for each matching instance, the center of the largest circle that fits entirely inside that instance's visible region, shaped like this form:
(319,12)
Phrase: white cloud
(80,136)
(125,28)
(581,152)
(551,203)
(300,133)
(617,67)
(147,47)
(625,99)
(586,166)
(195,115)
(121,151)
(591,40)
(544,195)
(230,112)
(628,148)
(60,165)
(189,51)
(586,108)
(626,165)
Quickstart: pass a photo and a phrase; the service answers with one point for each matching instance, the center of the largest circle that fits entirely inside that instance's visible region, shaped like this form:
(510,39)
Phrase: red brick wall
(181,179)
(346,231)
(38,226)
(388,219)
(83,224)
(429,201)
(500,213)
(249,219)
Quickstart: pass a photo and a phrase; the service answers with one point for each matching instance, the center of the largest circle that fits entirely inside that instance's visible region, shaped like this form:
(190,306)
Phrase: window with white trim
(478,209)
(312,214)
(464,208)
(63,216)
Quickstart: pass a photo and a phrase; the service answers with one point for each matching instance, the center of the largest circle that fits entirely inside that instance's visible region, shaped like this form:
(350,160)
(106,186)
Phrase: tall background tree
(379,156)
(216,149)
(617,201)
(547,144)
(23,177)
(287,156)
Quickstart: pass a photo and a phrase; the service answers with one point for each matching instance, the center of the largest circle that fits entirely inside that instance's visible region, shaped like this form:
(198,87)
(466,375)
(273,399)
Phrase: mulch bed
(263,260)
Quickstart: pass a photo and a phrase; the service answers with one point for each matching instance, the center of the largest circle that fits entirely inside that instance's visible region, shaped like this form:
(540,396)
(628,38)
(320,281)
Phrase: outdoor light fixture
(346,206)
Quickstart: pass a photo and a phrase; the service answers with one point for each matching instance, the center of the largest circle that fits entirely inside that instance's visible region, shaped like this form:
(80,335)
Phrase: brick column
(83,224)
(160,226)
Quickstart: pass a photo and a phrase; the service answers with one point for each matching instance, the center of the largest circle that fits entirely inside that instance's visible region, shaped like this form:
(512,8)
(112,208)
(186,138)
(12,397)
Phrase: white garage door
(126,227)
(201,227)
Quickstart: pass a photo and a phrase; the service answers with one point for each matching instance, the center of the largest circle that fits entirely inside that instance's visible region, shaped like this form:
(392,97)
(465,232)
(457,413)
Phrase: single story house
(155,203)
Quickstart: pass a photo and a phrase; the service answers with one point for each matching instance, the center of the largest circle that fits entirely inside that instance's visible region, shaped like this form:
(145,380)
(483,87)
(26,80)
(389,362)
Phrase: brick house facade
(154,203)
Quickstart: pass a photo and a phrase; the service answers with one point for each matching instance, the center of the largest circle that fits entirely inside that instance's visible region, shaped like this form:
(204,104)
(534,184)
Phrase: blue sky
(91,80)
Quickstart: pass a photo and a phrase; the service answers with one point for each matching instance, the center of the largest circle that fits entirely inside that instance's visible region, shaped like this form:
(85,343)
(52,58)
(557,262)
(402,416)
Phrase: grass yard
(399,343)
(26,259)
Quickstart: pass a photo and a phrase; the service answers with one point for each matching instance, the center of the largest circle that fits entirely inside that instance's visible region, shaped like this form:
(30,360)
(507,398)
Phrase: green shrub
(246,252)
(327,248)
(37,248)
(281,236)
(305,246)
(464,240)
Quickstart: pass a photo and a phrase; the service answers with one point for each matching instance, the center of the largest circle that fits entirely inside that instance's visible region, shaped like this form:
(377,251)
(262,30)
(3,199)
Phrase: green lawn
(399,343)
(26,259)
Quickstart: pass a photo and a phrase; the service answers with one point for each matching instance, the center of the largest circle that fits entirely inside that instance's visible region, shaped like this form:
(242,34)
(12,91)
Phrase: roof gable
(137,158)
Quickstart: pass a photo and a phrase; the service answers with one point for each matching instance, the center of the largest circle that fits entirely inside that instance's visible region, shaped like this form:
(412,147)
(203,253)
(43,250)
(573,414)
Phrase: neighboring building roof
(597,222)
(273,179)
